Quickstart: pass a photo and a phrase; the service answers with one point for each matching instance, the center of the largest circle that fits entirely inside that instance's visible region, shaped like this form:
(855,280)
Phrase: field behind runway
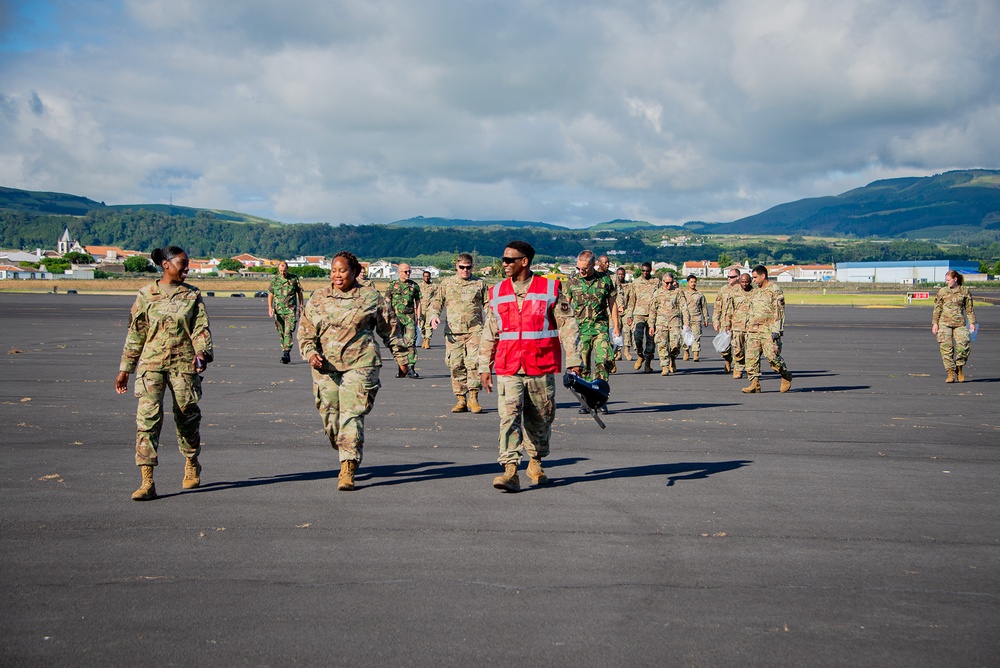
(851,521)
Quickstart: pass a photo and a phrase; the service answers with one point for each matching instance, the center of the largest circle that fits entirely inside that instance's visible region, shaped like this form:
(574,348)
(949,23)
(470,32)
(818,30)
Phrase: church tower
(65,243)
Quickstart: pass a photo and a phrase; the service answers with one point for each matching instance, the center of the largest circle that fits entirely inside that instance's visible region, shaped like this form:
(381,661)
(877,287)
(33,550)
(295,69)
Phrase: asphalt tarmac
(851,521)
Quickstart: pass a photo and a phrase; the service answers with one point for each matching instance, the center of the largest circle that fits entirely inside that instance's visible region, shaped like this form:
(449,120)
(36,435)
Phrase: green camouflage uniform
(736,319)
(767,317)
(341,326)
(669,315)
(718,311)
(697,308)
(527,404)
(465,301)
(591,299)
(166,331)
(404,297)
(286,301)
(952,308)
(428,291)
(621,299)
(640,298)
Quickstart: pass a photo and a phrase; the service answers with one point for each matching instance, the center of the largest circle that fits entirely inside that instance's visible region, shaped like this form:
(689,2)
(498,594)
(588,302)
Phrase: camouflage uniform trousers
(955,345)
(527,407)
(408,332)
(462,357)
(737,351)
(426,331)
(761,343)
(668,343)
(343,399)
(695,347)
(284,322)
(596,347)
(150,386)
(628,344)
(644,344)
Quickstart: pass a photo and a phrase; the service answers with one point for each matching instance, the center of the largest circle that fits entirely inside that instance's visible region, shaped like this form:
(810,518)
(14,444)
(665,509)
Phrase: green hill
(888,208)
(420,221)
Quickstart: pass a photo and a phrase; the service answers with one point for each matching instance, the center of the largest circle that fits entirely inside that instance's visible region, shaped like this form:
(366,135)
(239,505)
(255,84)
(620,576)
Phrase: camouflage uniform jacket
(569,330)
(719,307)
(767,309)
(952,306)
(621,296)
(736,311)
(341,326)
(403,296)
(428,291)
(640,297)
(668,310)
(592,298)
(466,301)
(697,305)
(287,293)
(166,332)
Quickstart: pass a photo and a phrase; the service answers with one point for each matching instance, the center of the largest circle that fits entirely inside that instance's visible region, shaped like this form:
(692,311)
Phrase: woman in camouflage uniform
(337,337)
(952,309)
(168,345)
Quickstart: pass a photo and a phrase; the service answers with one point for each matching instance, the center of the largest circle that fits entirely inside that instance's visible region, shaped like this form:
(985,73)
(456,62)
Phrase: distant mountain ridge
(910,207)
(914,207)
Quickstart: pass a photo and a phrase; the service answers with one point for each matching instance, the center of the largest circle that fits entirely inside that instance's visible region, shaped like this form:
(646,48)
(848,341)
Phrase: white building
(906,273)
(383,269)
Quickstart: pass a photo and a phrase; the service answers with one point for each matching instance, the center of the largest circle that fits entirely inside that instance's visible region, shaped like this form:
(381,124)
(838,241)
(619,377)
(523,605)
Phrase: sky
(567,112)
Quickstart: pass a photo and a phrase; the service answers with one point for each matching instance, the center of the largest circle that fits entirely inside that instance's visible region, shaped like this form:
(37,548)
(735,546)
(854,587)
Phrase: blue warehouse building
(909,273)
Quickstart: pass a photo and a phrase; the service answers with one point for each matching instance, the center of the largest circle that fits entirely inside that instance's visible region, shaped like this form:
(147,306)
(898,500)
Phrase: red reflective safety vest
(528,338)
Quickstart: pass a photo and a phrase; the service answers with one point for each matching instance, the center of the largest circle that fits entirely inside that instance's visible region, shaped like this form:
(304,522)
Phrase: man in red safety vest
(528,326)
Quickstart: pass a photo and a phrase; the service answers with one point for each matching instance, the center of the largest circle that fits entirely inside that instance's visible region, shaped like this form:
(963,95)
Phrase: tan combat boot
(685,355)
(727,365)
(627,355)
(673,365)
(613,368)
(460,406)
(345,481)
(474,402)
(146,491)
(425,344)
(786,381)
(638,362)
(647,366)
(754,387)
(951,376)
(694,357)
(960,374)
(737,374)
(192,473)
(509,481)
(535,472)
(665,371)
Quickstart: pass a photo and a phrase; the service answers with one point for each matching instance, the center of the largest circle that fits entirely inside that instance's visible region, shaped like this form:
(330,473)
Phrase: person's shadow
(672,472)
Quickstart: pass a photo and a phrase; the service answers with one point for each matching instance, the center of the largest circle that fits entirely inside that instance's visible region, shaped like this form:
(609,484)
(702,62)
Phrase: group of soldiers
(649,317)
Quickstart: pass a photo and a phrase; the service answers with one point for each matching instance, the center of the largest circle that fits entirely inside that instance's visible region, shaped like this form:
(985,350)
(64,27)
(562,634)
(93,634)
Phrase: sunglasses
(509,260)
(464,267)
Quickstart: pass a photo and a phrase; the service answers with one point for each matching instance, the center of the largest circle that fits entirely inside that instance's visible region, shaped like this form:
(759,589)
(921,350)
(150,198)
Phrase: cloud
(574,113)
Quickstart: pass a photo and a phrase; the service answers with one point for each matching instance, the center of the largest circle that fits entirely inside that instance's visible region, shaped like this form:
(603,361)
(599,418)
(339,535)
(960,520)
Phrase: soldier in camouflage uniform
(621,298)
(735,319)
(593,297)
(640,299)
(953,319)
(403,296)
(337,337)
(168,345)
(764,330)
(284,304)
(697,308)
(464,296)
(428,291)
(526,361)
(718,309)
(668,316)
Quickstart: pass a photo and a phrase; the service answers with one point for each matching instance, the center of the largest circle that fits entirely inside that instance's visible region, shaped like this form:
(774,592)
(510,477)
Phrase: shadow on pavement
(673,472)
(831,388)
